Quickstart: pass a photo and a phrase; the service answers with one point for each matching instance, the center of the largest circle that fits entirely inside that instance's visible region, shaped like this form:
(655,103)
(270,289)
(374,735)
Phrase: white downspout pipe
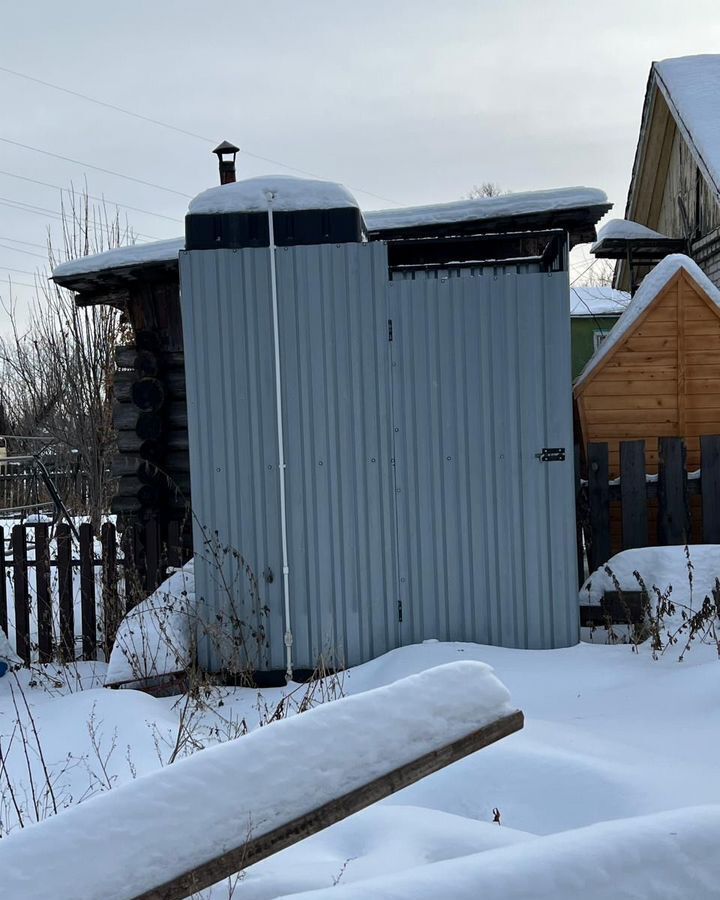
(281,442)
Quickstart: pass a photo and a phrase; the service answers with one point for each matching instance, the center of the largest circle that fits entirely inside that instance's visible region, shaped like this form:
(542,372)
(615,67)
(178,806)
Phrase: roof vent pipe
(226,153)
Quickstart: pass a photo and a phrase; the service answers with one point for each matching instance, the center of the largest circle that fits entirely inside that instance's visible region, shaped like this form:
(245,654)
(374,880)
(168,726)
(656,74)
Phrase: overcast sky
(404,102)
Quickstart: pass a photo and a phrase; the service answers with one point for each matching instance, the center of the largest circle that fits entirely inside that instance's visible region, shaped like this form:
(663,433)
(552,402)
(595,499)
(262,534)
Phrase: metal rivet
(373,459)
(448,458)
(397,429)
(269,467)
(320,463)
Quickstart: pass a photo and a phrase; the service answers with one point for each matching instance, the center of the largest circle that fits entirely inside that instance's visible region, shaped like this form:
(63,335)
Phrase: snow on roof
(691,86)
(523,203)
(651,286)
(597,301)
(290,192)
(302,193)
(133,255)
(624,229)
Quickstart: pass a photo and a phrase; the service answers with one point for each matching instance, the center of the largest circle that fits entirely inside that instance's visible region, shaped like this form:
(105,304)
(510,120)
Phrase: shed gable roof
(652,288)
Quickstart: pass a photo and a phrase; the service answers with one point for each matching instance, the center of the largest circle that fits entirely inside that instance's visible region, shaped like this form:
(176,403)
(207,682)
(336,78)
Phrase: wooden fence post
(87,592)
(599,551)
(3,584)
(112,613)
(710,487)
(42,592)
(65,592)
(20,585)
(673,506)
(633,494)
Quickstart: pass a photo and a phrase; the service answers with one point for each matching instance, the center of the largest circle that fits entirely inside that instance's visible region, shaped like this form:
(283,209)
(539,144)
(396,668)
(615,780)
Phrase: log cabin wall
(150,414)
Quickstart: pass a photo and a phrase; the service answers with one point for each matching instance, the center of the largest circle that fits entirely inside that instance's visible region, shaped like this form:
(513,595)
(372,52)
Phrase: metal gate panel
(336,402)
(481,383)
(228,338)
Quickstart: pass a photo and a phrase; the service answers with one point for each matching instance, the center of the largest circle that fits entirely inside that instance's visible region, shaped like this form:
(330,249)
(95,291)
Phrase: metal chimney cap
(226,147)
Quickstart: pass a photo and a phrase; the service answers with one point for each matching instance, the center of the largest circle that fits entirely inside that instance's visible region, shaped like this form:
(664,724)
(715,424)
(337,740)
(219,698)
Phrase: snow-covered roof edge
(507,205)
(651,286)
(625,229)
(691,88)
(587,302)
(120,257)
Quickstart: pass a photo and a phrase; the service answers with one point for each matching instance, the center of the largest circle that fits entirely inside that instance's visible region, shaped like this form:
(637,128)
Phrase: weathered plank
(3,584)
(633,494)
(42,592)
(599,503)
(112,611)
(87,592)
(20,587)
(673,506)
(256,849)
(63,538)
(710,460)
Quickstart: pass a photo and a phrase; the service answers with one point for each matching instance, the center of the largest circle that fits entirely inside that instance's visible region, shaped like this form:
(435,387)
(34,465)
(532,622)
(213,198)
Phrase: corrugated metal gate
(416,505)
(481,384)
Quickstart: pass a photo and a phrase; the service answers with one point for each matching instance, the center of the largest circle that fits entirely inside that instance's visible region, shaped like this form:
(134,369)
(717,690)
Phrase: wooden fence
(672,507)
(56,578)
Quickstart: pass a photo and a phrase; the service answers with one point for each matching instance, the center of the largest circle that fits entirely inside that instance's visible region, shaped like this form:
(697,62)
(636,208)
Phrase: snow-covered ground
(610,734)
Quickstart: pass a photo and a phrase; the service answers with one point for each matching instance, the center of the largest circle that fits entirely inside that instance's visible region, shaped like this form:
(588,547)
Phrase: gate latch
(551,454)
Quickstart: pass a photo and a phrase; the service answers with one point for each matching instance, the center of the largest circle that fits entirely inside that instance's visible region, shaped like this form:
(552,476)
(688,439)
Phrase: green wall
(582,329)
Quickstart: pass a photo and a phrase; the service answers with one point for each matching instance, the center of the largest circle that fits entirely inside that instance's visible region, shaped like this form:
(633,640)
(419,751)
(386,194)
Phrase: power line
(87,165)
(26,243)
(175,128)
(58,187)
(20,283)
(27,252)
(44,211)
(19,271)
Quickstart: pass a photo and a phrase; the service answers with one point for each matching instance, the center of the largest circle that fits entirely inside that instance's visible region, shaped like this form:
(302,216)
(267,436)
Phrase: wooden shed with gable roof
(657,374)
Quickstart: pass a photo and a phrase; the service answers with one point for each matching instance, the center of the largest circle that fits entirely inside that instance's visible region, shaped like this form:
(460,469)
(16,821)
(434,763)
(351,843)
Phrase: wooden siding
(665,172)
(662,379)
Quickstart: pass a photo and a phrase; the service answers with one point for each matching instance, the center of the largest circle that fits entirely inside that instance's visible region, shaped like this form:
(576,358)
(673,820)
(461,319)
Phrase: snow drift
(142,834)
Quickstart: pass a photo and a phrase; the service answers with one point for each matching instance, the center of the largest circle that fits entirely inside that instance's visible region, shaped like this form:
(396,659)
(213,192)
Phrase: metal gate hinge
(390,330)
(551,454)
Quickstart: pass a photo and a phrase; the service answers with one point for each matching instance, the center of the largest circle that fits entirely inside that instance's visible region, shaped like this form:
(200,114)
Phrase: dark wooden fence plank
(633,494)
(87,592)
(673,506)
(710,486)
(599,502)
(20,587)
(112,612)
(153,552)
(579,518)
(42,592)
(174,550)
(3,584)
(63,537)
